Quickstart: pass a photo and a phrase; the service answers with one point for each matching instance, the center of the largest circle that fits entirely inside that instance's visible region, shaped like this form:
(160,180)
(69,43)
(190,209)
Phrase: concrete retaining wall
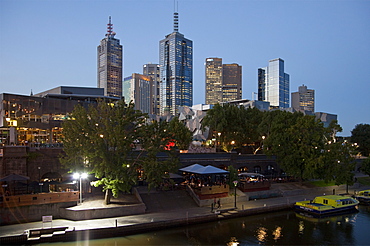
(31,213)
(99,213)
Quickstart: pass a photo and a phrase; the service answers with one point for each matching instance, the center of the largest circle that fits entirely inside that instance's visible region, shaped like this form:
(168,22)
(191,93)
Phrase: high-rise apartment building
(273,84)
(152,70)
(213,80)
(138,89)
(176,71)
(223,81)
(110,64)
(304,99)
(231,82)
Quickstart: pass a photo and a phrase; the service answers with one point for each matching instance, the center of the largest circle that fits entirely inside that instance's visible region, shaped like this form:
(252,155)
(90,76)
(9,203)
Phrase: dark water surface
(280,228)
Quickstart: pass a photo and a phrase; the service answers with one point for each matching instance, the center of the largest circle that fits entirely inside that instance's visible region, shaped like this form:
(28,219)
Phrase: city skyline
(324,44)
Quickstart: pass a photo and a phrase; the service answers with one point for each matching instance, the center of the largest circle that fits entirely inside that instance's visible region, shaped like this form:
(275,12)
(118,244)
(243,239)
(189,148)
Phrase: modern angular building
(138,89)
(110,64)
(304,99)
(223,81)
(176,71)
(152,70)
(273,84)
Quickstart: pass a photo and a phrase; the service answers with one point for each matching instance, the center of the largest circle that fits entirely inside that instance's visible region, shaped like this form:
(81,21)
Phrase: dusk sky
(325,44)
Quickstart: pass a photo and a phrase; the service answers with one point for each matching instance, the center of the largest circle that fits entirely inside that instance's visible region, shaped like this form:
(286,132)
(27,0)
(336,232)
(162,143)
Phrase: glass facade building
(176,72)
(110,64)
(152,70)
(273,84)
(37,120)
(138,89)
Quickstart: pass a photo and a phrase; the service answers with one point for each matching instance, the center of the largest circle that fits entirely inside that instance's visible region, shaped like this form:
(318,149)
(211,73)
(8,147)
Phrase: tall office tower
(152,70)
(231,82)
(110,62)
(138,89)
(273,84)
(176,71)
(213,80)
(223,81)
(304,99)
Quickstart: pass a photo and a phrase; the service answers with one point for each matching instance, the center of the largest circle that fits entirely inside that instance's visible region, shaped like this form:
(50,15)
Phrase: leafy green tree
(296,141)
(156,138)
(238,126)
(100,140)
(181,135)
(337,163)
(233,175)
(365,166)
(361,136)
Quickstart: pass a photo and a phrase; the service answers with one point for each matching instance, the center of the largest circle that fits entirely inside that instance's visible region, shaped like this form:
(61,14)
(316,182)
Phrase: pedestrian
(219,203)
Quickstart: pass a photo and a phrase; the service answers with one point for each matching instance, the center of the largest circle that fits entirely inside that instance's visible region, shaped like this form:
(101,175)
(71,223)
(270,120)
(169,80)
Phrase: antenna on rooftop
(176,17)
(110,32)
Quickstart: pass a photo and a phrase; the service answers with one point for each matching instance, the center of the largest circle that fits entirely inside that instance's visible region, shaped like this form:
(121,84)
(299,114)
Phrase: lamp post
(80,176)
(235,185)
(40,184)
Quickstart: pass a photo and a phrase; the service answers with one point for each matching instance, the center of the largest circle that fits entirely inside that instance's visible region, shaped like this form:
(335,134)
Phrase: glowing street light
(80,176)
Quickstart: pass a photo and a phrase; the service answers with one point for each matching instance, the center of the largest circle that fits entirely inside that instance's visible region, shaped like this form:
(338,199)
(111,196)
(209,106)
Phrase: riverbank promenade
(172,206)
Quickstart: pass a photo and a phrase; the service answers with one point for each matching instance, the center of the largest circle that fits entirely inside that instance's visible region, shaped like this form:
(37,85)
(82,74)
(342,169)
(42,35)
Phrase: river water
(279,228)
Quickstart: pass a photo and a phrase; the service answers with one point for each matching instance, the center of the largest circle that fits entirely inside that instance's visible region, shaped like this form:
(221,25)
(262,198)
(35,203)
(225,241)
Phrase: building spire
(176,18)
(110,32)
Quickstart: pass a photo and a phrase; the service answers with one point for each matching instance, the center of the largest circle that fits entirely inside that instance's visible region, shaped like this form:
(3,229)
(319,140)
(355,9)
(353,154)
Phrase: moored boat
(324,205)
(363,196)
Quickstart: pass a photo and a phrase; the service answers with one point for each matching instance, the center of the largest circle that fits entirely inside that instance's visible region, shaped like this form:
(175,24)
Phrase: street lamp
(80,176)
(235,185)
(219,139)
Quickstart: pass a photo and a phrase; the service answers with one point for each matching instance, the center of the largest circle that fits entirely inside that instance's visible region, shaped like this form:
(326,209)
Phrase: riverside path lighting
(80,176)
(235,185)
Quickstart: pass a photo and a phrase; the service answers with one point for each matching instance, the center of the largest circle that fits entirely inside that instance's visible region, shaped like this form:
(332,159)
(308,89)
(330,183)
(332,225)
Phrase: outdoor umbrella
(14,177)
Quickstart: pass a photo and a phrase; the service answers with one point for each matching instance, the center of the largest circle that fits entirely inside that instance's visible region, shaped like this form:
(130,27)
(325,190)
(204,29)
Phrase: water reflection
(281,228)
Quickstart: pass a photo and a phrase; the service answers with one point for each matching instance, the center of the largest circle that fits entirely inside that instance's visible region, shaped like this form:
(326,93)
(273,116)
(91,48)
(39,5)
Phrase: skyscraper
(273,84)
(138,89)
(176,71)
(213,80)
(231,82)
(304,99)
(110,64)
(152,70)
(223,81)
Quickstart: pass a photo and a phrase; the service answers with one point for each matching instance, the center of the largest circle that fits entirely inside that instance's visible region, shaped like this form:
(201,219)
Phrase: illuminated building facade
(138,89)
(223,81)
(176,71)
(37,120)
(303,99)
(153,71)
(110,64)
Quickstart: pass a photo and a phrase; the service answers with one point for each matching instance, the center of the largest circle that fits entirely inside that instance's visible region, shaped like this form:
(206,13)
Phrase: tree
(100,140)
(237,125)
(156,138)
(361,136)
(181,135)
(365,166)
(296,140)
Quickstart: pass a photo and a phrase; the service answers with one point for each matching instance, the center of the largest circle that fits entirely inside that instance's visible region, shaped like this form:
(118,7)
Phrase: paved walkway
(171,205)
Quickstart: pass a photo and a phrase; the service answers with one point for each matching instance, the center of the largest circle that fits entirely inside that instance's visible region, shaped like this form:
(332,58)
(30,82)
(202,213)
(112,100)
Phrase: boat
(363,197)
(325,205)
